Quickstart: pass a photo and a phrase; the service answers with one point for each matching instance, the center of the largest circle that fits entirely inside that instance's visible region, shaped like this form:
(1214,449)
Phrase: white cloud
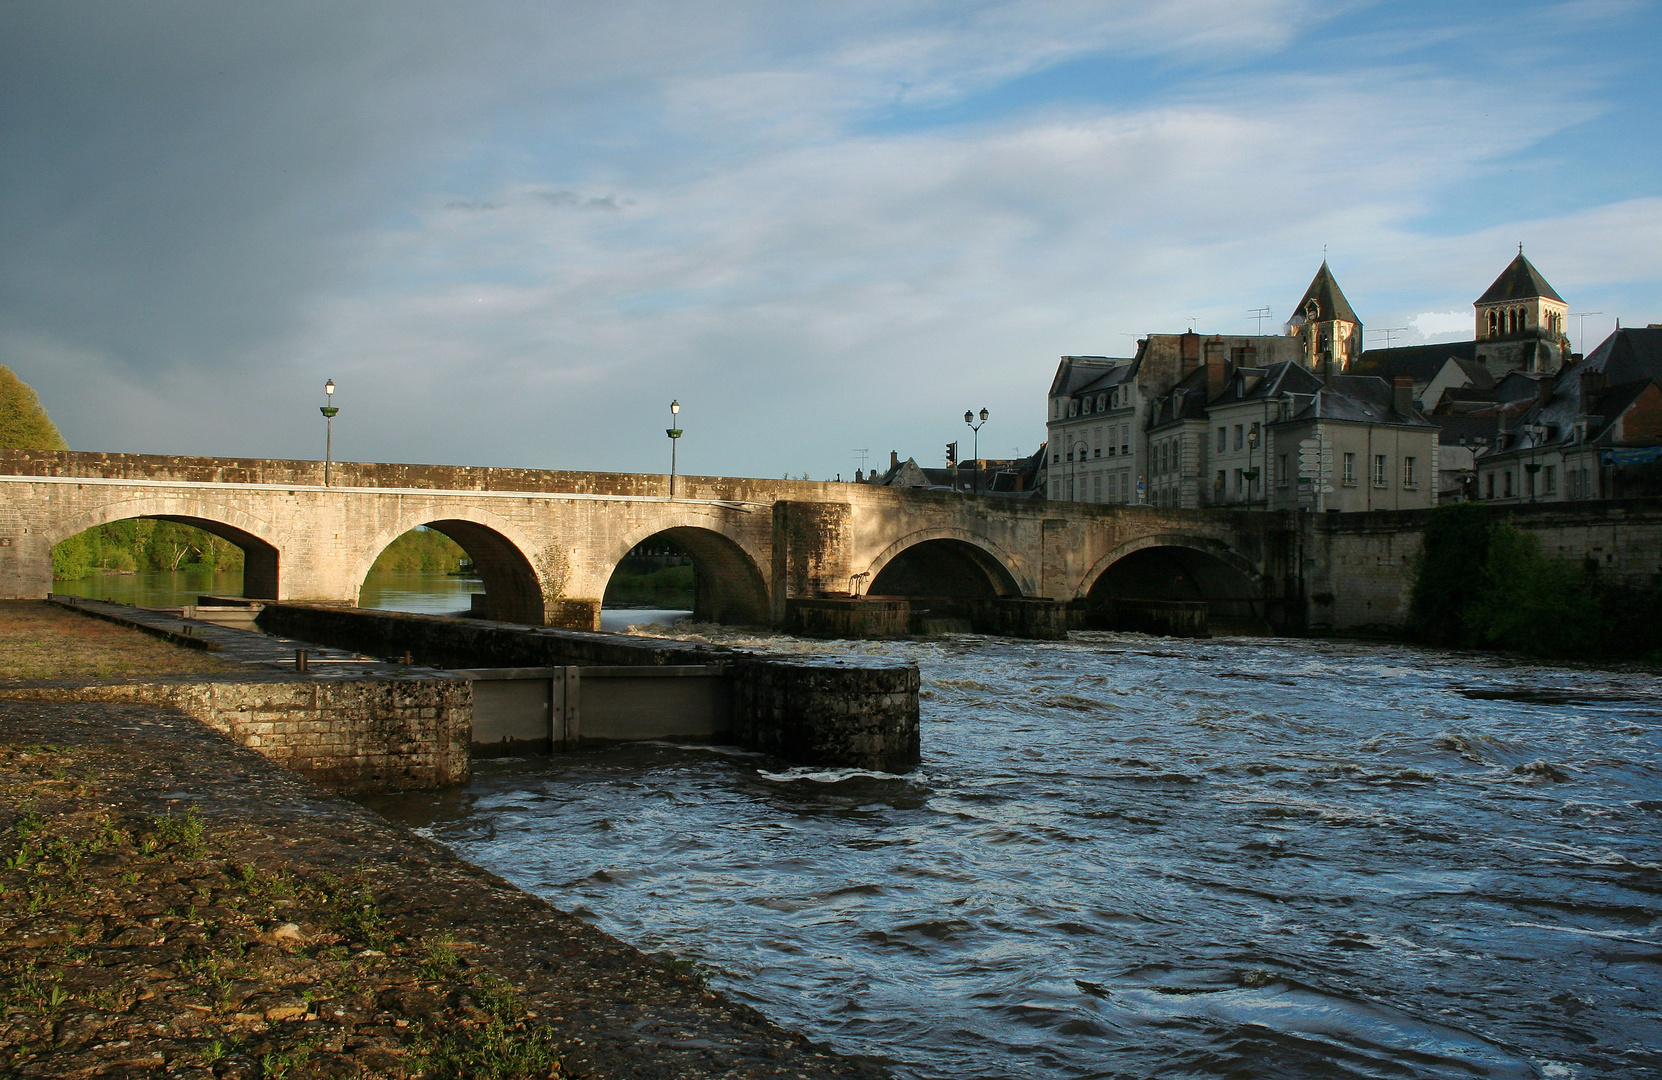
(1442,325)
(568,214)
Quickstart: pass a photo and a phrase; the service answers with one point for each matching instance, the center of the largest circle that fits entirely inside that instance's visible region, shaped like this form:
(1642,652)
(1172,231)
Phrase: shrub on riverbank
(1483,583)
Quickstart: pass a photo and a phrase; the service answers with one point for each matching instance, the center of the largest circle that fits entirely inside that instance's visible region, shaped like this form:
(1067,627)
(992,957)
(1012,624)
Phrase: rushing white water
(1128,856)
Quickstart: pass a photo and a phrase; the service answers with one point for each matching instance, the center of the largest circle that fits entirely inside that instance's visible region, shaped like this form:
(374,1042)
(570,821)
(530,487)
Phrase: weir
(379,701)
(541,689)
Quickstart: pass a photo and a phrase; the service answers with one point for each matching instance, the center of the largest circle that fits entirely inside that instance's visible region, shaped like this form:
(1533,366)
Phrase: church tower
(1326,325)
(1520,322)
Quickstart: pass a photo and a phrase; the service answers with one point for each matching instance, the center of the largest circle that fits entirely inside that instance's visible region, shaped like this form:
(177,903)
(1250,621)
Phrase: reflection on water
(1128,857)
(434,593)
(155,589)
(421,591)
(429,593)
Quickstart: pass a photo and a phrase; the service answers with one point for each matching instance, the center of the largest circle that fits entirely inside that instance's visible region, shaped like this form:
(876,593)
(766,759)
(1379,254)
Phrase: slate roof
(1628,355)
(1519,281)
(1286,377)
(1422,362)
(1360,398)
(1363,399)
(1629,359)
(1187,401)
(1330,299)
(1087,374)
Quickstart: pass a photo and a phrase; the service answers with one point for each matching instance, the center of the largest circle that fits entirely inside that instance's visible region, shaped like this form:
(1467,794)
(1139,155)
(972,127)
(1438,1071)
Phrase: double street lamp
(674,434)
(328,410)
(969,418)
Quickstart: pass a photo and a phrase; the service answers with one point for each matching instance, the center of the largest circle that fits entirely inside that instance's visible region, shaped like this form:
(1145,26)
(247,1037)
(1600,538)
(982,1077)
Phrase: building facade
(1594,430)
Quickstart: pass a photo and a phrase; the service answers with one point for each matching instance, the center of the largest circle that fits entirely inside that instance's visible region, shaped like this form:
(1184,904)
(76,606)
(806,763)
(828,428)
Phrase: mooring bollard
(300,659)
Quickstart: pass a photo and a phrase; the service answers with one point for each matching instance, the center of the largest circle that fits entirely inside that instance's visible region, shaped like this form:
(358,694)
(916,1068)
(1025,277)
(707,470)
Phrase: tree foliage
(422,549)
(142,544)
(1482,583)
(1450,571)
(24,424)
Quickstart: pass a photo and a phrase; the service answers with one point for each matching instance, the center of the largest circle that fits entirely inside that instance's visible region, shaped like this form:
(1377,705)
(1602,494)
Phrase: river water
(1126,856)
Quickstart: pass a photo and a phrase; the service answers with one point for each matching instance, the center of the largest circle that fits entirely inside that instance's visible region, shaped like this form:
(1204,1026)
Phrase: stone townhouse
(1594,430)
(1100,410)
(1283,437)
(1139,430)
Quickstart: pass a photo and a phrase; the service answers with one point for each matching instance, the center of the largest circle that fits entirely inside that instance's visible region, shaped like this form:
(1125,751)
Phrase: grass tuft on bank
(39,640)
(156,942)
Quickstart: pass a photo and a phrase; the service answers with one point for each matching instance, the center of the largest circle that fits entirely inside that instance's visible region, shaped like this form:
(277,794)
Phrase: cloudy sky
(512,232)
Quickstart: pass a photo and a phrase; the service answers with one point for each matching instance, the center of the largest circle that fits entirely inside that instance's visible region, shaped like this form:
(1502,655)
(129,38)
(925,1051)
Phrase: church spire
(1328,324)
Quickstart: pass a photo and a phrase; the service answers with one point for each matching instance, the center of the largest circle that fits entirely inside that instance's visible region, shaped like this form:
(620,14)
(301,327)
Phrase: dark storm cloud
(508,228)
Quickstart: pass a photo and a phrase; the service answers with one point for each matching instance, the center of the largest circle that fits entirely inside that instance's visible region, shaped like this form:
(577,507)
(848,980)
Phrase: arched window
(1491,324)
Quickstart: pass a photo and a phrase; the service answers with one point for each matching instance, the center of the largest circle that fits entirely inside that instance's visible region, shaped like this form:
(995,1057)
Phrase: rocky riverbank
(176,905)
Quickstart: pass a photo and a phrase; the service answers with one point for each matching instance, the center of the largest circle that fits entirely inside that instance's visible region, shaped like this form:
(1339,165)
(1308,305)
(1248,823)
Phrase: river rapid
(1126,856)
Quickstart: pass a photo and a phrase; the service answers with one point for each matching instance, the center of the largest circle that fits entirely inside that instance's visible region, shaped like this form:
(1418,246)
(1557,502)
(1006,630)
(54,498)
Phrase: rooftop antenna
(1581,333)
(1388,331)
(862,451)
(1261,313)
(1191,324)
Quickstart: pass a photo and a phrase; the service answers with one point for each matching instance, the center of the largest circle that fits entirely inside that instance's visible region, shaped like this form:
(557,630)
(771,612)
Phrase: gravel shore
(176,905)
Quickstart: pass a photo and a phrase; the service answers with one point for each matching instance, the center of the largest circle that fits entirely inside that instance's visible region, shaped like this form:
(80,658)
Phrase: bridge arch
(514,590)
(728,583)
(1181,567)
(945,562)
(262,557)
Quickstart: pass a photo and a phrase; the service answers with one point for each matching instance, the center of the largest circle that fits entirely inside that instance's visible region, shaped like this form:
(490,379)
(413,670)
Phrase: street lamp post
(969,418)
(1536,433)
(328,412)
(674,434)
(1084,451)
(1251,473)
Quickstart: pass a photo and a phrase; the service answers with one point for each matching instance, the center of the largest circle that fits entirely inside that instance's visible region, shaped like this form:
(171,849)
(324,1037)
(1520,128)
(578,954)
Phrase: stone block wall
(850,712)
(358,734)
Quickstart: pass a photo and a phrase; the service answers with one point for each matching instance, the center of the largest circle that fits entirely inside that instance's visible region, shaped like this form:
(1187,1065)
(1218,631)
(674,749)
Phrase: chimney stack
(1217,373)
(1543,391)
(894,460)
(1402,393)
(1592,382)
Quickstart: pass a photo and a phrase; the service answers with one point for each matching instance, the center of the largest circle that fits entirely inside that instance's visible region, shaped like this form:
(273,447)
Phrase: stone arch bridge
(546,543)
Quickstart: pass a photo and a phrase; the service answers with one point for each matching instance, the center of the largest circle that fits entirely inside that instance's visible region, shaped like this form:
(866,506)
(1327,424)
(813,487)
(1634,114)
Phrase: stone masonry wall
(1359,568)
(358,734)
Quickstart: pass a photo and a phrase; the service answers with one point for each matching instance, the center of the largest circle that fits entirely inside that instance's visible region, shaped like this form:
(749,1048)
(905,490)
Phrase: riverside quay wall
(356,733)
(1358,569)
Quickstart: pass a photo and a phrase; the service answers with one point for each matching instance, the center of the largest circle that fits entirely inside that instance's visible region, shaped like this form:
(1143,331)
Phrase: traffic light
(952,453)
